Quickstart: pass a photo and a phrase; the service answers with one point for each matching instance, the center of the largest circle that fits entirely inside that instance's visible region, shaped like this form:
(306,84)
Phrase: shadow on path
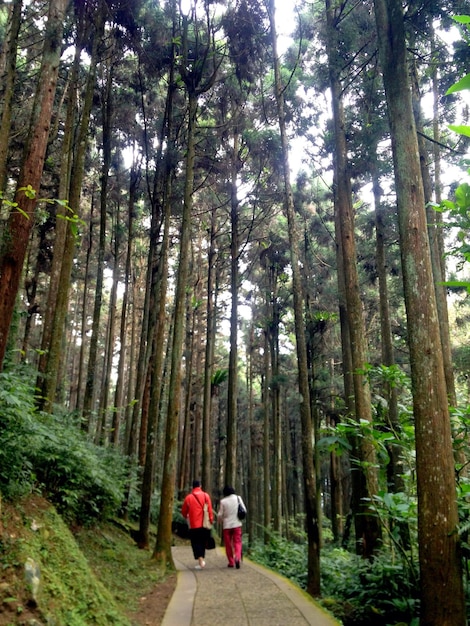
(250,596)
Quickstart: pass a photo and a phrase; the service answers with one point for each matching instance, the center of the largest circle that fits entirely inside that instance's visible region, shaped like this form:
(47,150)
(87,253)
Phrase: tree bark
(7,89)
(90,386)
(162,551)
(64,247)
(442,595)
(231,462)
(267,504)
(45,382)
(21,219)
(313,535)
(365,480)
(148,477)
(435,240)
(206,474)
(119,394)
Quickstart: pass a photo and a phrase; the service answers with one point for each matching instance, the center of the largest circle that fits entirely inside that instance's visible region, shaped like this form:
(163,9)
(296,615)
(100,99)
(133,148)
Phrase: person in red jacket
(193,511)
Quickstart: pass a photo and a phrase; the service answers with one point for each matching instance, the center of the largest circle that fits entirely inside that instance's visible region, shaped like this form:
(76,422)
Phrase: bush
(37,451)
(83,480)
(17,415)
(375,593)
(283,556)
(358,592)
(134,501)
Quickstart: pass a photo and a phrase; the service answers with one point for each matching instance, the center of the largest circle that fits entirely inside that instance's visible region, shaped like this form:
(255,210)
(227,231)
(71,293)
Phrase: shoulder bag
(241,512)
(206,522)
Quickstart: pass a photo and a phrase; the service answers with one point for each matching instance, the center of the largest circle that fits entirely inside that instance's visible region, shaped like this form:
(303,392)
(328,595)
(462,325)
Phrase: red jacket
(192,508)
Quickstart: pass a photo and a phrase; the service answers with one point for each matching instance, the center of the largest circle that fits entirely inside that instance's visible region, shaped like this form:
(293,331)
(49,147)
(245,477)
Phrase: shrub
(40,451)
(17,415)
(83,480)
(134,501)
(375,593)
(356,591)
(283,556)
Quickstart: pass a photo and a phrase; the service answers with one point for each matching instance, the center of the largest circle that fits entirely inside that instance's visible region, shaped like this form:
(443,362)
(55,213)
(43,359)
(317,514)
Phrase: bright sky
(285,18)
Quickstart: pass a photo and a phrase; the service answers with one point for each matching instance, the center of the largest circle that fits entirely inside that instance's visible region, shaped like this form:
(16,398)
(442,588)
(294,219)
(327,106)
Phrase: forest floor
(153,605)
(49,574)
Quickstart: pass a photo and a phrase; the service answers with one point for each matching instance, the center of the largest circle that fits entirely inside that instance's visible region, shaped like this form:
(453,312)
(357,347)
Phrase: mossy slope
(37,548)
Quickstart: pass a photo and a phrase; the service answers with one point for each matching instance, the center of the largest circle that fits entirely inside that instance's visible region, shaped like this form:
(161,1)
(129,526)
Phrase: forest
(234,247)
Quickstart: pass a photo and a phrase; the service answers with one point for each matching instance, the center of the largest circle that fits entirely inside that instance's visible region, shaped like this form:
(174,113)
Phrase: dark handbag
(241,512)
(210,542)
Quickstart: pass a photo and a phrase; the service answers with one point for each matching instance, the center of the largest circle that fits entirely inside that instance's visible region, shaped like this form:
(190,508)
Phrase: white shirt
(228,511)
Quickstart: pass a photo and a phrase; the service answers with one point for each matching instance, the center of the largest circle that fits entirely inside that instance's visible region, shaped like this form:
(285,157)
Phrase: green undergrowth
(51,576)
(119,563)
(355,591)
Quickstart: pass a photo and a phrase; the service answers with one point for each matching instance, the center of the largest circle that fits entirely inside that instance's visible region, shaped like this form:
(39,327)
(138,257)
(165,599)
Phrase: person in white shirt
(232,525)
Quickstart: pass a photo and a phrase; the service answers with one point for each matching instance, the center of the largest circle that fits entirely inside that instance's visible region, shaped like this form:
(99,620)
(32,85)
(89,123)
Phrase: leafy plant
(378,592)
(458,208)
(283,556)
(357,591)
(84,481)
(39,451)
(17,416)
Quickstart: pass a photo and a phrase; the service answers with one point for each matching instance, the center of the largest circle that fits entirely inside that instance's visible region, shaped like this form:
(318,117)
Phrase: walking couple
(193,511)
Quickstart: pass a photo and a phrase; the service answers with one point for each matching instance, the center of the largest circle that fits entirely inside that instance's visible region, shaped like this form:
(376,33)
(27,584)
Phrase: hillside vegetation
(51,575)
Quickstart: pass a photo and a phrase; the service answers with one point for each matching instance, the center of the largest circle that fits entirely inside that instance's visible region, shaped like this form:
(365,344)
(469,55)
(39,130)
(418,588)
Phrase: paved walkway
(250,596)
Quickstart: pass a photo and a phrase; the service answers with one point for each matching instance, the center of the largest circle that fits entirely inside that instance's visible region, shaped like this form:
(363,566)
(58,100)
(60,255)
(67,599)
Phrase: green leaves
(461,130)
(458,211)
(462,19)
(463,83)
(37,450)
(29,192)
(462,197)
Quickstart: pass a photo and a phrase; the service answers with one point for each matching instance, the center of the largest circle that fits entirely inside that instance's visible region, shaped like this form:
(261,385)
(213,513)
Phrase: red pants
(233,544)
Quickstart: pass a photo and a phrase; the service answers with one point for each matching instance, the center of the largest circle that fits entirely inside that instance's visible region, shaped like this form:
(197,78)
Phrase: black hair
(196,483)
(228,491)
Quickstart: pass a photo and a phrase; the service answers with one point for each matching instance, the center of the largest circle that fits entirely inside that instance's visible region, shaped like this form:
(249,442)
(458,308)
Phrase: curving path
(250,596)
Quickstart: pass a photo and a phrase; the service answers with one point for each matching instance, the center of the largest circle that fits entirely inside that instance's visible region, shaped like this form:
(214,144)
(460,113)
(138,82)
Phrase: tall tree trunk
(189,440)
(48,383)
(395,468)
(206,475)
(162,551)
(144,353)
(63,255)
(21,219)
(91,381)
(313,535)
(253,473)
(120,379)
(7,87)
(442,594)
(103,431)
(151,308)
(84,317)
(158,288)
(274,386)
(267,504)
(232,398)
(365,481)
(148,477)
(435,240)
(31,290)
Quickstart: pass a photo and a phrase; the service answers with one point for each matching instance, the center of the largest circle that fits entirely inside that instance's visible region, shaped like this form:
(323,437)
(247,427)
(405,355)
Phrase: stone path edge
(302,600)
(179,611)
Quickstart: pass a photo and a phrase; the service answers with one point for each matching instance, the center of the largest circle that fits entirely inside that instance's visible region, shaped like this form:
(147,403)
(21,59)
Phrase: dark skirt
(199,538)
